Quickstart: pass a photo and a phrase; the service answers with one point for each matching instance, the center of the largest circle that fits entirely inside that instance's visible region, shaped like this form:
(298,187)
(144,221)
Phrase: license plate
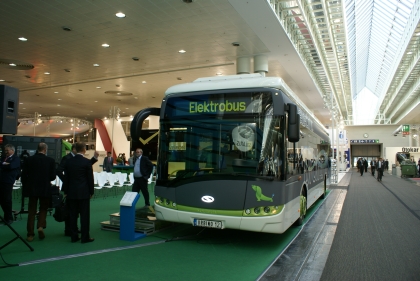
(206,223)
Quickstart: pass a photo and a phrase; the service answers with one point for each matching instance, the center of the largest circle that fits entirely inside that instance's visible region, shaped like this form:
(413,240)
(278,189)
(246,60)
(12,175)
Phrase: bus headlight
(264,211)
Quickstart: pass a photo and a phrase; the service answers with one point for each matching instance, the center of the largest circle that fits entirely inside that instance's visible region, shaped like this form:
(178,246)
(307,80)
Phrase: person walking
(380,168)
(79,189)
(143,167)
(108,163)
(373,167)
(365,165)
(37,174)
(10,169)
(360,166)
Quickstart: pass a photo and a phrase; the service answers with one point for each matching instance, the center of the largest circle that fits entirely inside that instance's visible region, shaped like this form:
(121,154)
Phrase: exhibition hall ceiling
(79,59)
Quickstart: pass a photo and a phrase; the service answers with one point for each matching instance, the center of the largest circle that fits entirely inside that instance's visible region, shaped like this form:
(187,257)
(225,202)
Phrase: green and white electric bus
(238,152)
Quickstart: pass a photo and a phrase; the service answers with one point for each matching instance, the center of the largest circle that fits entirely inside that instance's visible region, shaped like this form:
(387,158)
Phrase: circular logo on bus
(207,199)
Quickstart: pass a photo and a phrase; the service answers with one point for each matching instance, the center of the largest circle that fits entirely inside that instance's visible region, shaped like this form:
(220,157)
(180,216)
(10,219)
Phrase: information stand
(128,217)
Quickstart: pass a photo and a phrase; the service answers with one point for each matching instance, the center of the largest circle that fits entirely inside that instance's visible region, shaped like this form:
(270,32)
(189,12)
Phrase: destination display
(364,141)
(217,104)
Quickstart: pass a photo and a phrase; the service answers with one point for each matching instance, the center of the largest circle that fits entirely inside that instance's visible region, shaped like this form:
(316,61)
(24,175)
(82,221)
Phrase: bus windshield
(210,146)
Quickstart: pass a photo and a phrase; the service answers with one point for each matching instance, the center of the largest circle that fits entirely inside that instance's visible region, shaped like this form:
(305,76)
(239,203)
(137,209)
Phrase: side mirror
(293,130)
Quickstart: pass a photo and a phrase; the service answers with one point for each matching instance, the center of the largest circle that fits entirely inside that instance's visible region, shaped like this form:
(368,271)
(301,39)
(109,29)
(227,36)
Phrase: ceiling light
(95,64)
(236,44)
(219,73)
(58,105)
(120,15)
(182,51)
(21,103)
(47,73)
(55,92)
(98,87)
(105,45)
(144,82)
(418,34)
(12,64)
(22,39)
(59,99)
(96,101)
(409,53)
(1,80)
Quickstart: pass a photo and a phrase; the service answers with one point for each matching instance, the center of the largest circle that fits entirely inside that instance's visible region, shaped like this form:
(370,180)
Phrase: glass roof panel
(375,32)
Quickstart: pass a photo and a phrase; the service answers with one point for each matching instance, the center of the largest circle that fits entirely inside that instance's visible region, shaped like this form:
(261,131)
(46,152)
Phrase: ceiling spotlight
(55,92)
(179,78)
(218,73)
(47,73)
(144,82)
(236,44)
(67,70)
(22,39)
(12,64)
(182,51)
(95,65)
(105,45)
(1,80)
(66,28)
(98,87)
(135,58)
(188,1)
(120,15)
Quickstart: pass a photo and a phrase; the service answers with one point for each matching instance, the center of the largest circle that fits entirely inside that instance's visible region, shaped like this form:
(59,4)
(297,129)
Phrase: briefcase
(56,196)
(61,212)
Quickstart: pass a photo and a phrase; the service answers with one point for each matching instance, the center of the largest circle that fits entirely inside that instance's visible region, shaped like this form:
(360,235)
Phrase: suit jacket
(37,174)
(9,172)
(382,165)
(108,165)
(78,178)
(60,168)
(146,166)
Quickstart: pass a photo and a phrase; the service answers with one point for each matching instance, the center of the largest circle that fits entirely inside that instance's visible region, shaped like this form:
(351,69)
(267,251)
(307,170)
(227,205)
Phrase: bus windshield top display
(217,104)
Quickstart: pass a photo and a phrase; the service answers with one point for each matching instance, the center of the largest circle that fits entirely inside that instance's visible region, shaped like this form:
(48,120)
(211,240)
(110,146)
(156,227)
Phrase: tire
(302,212)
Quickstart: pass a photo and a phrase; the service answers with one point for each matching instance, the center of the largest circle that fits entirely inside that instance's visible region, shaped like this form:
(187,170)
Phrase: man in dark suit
(142,170)
(60,174)
(78,187)
(380,168)
(10,169)
(37,174)
(108,163)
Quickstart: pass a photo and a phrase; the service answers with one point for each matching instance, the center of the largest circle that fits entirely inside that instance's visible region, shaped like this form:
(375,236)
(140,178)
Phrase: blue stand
(127,222)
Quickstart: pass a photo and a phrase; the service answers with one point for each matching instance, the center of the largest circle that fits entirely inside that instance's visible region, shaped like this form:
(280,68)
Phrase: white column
(261,64)
(243,65)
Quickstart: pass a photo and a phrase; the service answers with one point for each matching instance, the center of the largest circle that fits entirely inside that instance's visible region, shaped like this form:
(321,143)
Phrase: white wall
(117,136)
(383,133)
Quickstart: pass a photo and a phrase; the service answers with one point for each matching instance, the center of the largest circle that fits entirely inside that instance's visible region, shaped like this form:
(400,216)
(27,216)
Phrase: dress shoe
(9,221)
(88,241)
(75,240)
(30,238)
(41,233)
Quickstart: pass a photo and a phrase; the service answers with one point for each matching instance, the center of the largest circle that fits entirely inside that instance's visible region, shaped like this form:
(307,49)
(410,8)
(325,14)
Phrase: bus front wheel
(302,210)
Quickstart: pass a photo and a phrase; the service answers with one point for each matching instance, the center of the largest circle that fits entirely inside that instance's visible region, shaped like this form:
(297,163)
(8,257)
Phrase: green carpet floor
(192,254)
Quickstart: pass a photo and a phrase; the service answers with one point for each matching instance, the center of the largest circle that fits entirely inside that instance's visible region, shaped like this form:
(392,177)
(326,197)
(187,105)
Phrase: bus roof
(227,82)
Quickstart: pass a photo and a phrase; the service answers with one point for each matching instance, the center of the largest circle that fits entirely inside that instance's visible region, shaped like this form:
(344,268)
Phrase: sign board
(128,198)
(364,141)
(406,130)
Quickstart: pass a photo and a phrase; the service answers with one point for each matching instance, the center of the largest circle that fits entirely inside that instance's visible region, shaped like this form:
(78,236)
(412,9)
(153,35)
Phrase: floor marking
(90,253)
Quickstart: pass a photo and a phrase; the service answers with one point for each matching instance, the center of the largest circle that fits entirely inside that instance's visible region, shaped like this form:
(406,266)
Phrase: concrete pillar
(261,64)
(243,65)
